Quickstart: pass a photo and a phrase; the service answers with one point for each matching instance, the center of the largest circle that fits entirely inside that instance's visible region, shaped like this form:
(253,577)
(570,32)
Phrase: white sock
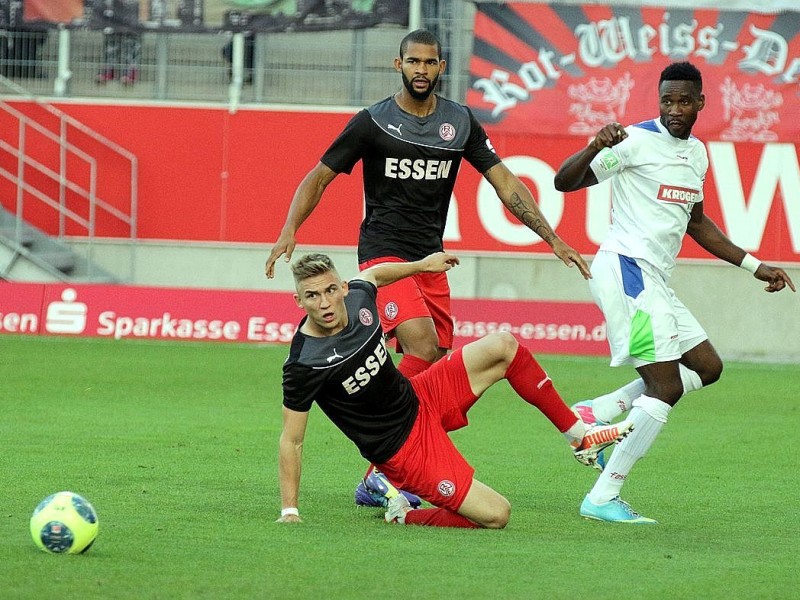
(609,406)
(648,416)
(691,380)
(576,433)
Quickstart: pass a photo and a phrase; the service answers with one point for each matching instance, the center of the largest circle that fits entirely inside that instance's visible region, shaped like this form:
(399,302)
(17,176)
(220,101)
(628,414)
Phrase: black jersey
(353,379)
(410,168)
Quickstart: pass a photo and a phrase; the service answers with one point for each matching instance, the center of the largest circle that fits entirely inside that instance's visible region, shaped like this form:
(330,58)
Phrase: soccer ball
(64,523)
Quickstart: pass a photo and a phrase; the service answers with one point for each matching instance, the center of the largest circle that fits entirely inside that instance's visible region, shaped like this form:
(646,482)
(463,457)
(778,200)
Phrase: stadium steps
(29,254)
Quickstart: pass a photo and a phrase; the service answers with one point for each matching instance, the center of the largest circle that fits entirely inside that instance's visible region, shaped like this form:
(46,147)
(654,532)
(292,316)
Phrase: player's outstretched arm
(706,233)
(518,199)
(306,198)
(290,460)
(574,173)
(386,273)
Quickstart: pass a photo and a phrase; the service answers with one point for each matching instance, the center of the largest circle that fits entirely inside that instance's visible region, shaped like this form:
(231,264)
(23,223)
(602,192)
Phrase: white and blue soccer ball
(64,523)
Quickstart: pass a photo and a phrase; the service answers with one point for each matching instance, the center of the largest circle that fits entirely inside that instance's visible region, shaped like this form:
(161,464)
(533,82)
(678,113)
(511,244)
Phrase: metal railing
(334,68)
(68,183)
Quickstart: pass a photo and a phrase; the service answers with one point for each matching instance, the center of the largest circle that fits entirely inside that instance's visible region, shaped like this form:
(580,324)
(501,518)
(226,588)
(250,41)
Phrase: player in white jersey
(657,169)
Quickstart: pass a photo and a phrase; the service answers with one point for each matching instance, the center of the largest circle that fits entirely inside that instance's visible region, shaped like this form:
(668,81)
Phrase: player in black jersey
(338,359)
(411,146)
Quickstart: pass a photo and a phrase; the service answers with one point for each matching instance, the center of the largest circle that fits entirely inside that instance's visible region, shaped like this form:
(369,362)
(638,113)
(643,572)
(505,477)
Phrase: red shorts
(428,464)
(421,295)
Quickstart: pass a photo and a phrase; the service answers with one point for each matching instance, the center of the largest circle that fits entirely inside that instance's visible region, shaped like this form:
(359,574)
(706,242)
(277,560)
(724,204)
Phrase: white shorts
(645,321)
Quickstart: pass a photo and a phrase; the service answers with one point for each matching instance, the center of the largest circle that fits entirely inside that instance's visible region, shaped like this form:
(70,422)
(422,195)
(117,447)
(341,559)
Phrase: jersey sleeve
(366,286)
(298,391)
(610,161)
(479,151)
(703,162)
(350,145)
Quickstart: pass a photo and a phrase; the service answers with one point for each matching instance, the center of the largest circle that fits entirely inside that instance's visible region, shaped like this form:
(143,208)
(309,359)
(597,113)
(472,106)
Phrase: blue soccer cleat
(613,511)
(376,490)
(585,411)
(364,498)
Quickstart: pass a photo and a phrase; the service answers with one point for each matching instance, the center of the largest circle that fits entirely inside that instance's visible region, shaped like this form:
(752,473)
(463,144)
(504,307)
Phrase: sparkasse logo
(66,316)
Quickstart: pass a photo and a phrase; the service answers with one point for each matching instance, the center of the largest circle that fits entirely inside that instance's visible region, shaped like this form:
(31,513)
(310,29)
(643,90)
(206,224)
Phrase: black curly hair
(420,36)
(682,71)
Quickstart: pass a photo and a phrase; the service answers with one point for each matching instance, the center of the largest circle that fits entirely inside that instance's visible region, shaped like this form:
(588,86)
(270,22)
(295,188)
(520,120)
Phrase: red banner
(52,11)
(243,194)
(553,69)
(126,312)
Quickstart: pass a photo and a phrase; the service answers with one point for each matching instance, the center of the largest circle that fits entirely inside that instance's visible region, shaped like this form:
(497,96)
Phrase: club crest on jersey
(447,488)
(678,195)
(447,132)
(391,310)
(365,316)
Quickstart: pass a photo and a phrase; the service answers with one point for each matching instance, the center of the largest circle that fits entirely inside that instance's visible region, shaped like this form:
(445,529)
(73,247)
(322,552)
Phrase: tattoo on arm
(531,217)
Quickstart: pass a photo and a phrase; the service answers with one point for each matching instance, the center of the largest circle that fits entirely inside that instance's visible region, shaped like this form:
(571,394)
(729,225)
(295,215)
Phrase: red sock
(533,385)
(438,517)
(411,365)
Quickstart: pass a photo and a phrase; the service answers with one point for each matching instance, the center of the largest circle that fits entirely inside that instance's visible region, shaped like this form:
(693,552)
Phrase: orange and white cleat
(597,438)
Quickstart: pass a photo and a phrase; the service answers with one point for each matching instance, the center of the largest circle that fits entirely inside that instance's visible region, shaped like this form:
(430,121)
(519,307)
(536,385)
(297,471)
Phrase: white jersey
(656,180)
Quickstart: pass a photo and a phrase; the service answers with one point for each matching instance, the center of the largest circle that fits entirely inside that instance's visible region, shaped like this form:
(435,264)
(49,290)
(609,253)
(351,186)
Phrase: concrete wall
(742,320)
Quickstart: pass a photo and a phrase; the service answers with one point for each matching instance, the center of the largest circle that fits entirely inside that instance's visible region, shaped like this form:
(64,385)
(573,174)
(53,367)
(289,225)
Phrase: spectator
(122,51)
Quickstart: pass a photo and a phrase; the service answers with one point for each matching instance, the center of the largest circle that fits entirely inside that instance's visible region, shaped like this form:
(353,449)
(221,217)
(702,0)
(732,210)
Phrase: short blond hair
(312,265)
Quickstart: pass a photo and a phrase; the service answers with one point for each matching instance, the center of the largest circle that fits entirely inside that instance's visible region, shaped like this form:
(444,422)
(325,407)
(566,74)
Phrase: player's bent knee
(504,345)
(713,373)
(485,506)
(497,515)
(429,352)
(510,343)
(500,516)
(419,338)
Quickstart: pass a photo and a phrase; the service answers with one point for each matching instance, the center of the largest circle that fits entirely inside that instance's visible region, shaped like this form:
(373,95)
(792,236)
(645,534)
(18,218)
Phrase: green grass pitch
(175,444)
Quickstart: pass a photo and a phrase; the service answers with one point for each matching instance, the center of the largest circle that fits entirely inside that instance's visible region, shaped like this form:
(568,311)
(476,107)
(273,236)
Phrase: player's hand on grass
(610,135)
(284,245)
(775,277)
(570,257)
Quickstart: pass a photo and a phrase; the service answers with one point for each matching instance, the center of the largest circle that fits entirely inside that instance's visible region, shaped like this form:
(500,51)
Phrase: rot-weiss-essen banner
(555,68)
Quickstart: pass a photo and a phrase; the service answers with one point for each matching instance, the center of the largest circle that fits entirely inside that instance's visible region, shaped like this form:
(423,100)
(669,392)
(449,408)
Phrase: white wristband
(290,511)
(750,263)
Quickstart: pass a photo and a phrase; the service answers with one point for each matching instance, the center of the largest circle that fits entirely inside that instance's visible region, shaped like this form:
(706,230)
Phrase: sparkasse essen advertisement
(179,314)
